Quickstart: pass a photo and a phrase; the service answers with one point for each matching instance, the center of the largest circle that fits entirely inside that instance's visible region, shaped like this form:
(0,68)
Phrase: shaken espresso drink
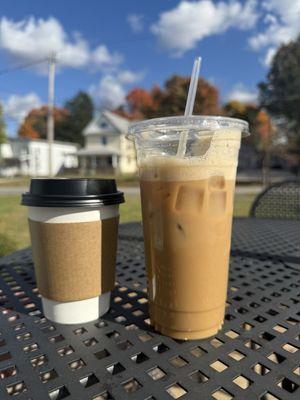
(187,205)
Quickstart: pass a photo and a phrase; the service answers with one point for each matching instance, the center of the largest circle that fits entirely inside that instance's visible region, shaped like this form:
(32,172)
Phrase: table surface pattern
(255,356)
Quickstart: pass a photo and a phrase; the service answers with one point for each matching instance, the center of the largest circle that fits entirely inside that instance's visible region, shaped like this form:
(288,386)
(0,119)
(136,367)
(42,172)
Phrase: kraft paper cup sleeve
(74,261)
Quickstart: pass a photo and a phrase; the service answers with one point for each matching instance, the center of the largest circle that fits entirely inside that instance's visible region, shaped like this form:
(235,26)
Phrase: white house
(106,147)
(22,156)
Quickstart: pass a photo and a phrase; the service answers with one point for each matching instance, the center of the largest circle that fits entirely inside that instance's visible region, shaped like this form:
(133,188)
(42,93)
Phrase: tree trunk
(266,168)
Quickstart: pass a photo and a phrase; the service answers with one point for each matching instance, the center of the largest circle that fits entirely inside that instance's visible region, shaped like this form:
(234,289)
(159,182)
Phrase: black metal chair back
(279,201)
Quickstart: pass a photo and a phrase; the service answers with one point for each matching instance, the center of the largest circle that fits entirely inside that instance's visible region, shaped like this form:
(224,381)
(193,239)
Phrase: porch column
(115,161)
(93,164)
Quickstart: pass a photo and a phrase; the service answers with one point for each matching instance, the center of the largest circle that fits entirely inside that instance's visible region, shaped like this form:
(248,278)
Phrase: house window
(103,140)
(103,125)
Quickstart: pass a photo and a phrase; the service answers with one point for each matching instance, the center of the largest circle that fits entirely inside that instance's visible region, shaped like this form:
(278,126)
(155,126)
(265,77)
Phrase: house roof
(119,123)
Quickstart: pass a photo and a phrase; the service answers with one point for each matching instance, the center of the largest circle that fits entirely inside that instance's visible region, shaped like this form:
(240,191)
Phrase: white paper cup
(74,312)
(65,253)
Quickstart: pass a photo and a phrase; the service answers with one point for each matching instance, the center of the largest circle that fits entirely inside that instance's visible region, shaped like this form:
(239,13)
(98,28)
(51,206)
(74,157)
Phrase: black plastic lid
(72,193)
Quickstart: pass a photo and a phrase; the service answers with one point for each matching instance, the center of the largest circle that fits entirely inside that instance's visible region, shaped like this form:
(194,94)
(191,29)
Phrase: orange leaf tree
(258,119)
(170,99)
(35,123)
(264,129)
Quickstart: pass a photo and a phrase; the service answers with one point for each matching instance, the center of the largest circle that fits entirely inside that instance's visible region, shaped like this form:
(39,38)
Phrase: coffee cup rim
(72,192)
(202,122)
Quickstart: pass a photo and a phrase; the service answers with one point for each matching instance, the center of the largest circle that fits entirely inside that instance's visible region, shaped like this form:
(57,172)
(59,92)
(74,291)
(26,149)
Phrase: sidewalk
(251,189)
(17,190)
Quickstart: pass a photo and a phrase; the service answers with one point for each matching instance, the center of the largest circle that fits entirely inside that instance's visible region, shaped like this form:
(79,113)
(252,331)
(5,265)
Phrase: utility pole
(50,119)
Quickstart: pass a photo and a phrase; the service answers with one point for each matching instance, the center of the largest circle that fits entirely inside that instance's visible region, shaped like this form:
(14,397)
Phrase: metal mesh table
(276,239)
(255,356)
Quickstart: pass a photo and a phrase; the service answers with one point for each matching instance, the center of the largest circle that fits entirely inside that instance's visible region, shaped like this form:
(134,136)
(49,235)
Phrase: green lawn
(13,219)
(242,204)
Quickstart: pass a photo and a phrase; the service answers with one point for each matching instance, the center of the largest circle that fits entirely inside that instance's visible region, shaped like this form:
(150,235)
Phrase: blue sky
(108,47)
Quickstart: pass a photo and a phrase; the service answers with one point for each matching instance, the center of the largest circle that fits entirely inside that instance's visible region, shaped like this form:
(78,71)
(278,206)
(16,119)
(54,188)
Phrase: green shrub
(7,245)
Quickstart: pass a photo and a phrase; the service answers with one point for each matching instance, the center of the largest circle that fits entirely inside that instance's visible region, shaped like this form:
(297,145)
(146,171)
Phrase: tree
(170,99)
(68,121)
(261,129)
(248,112)
(245,111)
(26,130)
(80,111)
(265,136)
(35,123)
(2,127)
(258,119)
(280,94)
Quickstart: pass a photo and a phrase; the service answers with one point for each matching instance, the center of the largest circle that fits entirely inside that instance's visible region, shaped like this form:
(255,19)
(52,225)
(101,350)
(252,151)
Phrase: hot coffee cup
(73,227)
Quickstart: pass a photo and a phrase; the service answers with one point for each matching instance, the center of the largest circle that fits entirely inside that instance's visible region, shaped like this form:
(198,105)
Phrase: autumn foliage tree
(258,119)
(170,99)
(34,125)
(69,121)
(264,128)
(26,129)
(139,102)
(245,111)
(262,132)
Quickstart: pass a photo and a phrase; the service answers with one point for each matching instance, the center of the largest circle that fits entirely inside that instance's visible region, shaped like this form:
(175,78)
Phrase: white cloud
(110,92)
(240,93)
(136,22)
(17,106)
(102,57)
(181,28)
(128,77)
(281,25)
(31,39)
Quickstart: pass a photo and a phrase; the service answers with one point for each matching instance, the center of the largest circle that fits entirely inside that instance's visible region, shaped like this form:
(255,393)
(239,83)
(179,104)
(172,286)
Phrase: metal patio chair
(278,201)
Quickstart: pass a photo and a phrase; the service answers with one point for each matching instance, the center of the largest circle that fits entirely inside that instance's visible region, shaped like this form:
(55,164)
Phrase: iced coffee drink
(187,205)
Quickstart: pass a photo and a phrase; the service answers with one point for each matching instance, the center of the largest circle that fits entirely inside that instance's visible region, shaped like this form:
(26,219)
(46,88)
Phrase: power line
(23,66)
(46,59)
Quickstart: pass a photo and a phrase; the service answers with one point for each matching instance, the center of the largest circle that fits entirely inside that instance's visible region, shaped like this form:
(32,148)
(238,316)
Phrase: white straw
(189,104)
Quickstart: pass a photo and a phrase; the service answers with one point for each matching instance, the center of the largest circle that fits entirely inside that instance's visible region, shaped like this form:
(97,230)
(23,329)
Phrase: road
(17,190)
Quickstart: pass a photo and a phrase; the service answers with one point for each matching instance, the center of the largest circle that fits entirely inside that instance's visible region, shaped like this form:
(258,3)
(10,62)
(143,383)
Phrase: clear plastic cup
(187,205)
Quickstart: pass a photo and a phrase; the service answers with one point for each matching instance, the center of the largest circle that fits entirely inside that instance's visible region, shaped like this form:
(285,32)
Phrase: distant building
(106,147)
(29,157)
